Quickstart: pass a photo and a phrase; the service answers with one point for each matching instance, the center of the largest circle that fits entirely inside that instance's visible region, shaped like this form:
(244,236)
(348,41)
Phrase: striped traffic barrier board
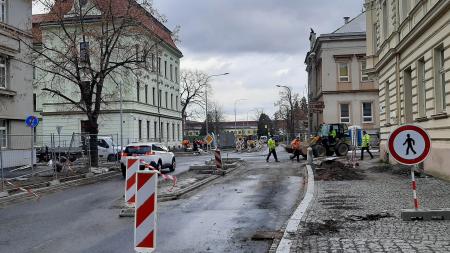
(145,216)
(130,191)
(218,159)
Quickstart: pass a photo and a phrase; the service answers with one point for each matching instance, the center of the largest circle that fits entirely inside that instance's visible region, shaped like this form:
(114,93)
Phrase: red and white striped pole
(130,180)
(145,211)
(414,186)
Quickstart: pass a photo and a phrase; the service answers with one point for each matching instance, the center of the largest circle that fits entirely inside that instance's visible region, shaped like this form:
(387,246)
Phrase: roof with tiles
(115,8)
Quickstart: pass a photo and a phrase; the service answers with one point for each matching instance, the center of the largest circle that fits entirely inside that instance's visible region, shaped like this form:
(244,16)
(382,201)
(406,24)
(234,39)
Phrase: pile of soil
(320,229)
(337,171)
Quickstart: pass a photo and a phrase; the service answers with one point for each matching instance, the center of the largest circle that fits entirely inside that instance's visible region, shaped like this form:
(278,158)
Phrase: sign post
(32,122)
(410,145)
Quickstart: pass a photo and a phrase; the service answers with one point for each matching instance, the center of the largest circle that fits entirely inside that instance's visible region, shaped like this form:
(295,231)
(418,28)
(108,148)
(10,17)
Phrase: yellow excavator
(330,139)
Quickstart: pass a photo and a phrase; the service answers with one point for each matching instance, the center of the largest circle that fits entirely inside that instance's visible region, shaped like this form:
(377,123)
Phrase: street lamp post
(291,111)
(235,102)
(206,98)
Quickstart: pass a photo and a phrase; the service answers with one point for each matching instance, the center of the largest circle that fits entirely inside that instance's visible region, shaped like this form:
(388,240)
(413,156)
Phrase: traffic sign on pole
(409,144)
(145,214)
(32,121)
(209,139)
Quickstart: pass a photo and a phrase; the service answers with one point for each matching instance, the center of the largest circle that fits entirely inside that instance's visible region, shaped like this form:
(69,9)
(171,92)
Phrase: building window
(148,130)
(343,72)
(161,130)
(344,113)
(140,129)
(421,88)
(159,98)
(364,77)
(385,20)
(3,133)
(167,99)
(146,94)
(171,101)
(159,65)
(173,131)
(153,62)
(439,79)
(178,131)
(167,131)
(84,51)
(176,74)
(387,103)
(405,8)
(171,72)
(155,127)
(153,96)
(34,102)
(367,112)
(4,10)
(176,103)
(165,69)
(137,91)
(3,72)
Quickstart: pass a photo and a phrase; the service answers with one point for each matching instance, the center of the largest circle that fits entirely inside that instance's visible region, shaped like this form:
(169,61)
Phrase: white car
(156,154)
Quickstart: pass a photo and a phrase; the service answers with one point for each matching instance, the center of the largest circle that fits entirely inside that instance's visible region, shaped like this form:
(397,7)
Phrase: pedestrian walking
(295,145)
(272,146)
(365,145)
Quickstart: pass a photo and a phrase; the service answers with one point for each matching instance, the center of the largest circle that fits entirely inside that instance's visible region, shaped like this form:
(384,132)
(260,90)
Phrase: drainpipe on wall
(397,80)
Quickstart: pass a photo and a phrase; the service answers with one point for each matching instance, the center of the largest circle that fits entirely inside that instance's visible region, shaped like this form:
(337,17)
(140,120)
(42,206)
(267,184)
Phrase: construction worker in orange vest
(295,145)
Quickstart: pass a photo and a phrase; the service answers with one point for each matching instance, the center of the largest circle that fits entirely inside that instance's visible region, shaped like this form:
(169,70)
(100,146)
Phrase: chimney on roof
(346,19)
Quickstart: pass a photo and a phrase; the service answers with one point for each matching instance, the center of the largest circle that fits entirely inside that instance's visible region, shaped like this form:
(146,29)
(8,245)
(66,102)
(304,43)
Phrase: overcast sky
(261,43)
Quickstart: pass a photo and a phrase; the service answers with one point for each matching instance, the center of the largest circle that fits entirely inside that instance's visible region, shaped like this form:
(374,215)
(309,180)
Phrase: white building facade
(408,55)
(335,78)
(150,101)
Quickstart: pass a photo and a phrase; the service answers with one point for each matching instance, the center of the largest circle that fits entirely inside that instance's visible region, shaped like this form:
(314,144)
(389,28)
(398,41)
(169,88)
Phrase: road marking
(291,229)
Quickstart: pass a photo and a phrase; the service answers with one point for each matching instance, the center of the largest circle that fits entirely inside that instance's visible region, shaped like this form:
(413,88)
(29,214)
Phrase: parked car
(156,154)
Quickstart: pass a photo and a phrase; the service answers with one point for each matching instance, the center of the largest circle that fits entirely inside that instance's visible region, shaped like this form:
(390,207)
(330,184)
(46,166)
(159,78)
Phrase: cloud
(261,43)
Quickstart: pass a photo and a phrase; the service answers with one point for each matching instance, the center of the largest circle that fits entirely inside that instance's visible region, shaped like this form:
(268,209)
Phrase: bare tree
(192,89)
(288,104)
(86,44)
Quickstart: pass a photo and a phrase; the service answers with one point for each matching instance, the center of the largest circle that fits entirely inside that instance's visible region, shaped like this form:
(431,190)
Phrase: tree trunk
(93,141)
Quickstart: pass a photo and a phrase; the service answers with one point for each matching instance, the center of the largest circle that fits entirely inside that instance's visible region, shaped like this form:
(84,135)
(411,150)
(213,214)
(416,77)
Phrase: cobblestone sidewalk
(364,215)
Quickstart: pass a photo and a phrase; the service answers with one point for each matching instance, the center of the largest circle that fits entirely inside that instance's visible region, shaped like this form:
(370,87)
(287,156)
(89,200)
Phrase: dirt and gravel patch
(398,169)
(337,171)
(321,228)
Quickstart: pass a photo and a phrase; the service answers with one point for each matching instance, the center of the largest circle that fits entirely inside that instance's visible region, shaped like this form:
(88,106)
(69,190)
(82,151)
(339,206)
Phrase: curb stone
(16,198)
(284,245)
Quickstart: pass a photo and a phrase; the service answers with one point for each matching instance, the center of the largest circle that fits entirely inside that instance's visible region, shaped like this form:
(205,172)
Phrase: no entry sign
(409,144)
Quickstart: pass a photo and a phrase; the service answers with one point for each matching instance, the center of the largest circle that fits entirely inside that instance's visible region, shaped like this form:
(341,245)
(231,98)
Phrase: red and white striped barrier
(145,216)
(164,176)
(414,187)
(218,159)
(131,170)
(24,190)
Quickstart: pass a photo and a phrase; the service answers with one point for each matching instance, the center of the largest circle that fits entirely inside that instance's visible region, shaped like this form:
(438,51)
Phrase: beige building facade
(334,64)
(409,58)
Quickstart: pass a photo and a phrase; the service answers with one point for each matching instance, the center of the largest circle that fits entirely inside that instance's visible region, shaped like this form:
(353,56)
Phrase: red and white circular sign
(409,144)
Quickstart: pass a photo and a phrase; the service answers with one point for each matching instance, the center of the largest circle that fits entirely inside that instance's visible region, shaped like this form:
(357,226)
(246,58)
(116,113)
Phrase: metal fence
(53,155)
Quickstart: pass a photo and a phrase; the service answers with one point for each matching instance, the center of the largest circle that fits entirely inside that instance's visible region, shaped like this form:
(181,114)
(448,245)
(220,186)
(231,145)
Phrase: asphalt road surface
(221,217)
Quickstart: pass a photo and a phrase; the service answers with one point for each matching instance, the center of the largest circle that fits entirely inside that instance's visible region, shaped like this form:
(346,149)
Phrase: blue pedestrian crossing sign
(32,121)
